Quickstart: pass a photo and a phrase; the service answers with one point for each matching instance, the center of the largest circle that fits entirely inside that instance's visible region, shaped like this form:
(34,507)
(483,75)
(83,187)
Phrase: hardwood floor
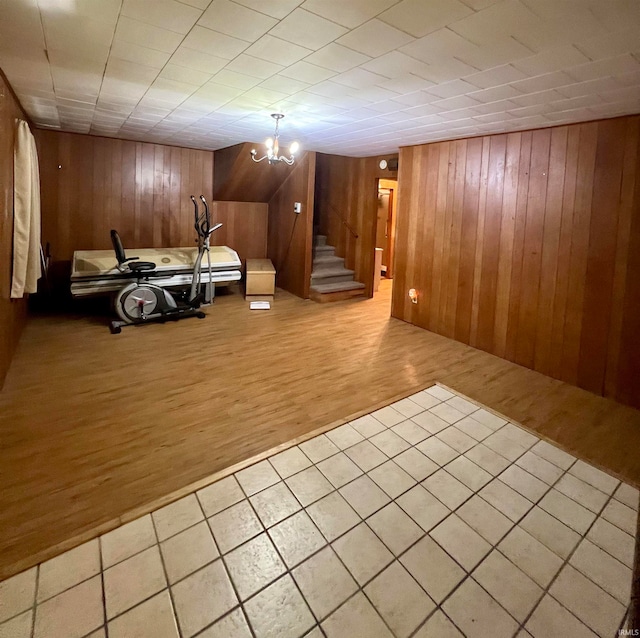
(95,426)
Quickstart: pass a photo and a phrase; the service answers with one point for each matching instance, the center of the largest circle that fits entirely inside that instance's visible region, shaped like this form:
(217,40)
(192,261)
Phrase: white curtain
(26,214)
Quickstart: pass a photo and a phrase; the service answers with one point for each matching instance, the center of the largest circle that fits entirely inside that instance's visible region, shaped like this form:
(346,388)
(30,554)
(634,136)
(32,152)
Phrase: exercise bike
(143,301)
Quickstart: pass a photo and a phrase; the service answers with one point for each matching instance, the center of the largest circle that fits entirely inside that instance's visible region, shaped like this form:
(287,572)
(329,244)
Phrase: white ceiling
(354,77)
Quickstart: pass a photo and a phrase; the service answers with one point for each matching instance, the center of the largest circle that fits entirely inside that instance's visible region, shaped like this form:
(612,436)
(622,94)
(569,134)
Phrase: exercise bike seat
(132,264)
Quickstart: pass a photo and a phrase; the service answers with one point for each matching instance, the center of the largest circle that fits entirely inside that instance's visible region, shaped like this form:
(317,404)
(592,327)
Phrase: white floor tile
(627,495)
(17,593)
(593,606)
(188,551)
(177,516)
(416,464)
(551,619)
(344,436)
(131,581)
(477,614)
(363,553)
(356,619)
(234,526)
(582,493)
(279,611)
(467,472)
(339,469)
(594,477)
(396,530)
(388,416)
(254,565)
(439,392)
(447,489)
(297,538)
(519,435)
(367,426)
(333,516)
(430,422)
(487,459)
(462,405)
(220,495)
(489,419)
(613,540)
(58,617)
(153,617)
(233,625)
(389,443)
(604,570)
(506,500)
(410,431)
(473,428)
(290,462)
(485,519)
(123,542)
(257,477)
(438,626)
(18,627)
(524,483)
(461,542)
(504,445)
(318,448)
(275,504)
(324,582)
(407,407)
(392,478)
(309,485)
(553,455)
(400,601)
(366,455)
(536,465)
(456,439)
(424,399)
(531,556)
(507,584)
(568,511)
(438,451)
(433,568)
(447,413)
(550,532)
(424,508)
(621,516)
(364,496)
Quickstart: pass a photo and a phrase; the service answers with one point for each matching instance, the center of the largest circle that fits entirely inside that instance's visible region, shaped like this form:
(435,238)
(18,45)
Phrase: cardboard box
(260,277)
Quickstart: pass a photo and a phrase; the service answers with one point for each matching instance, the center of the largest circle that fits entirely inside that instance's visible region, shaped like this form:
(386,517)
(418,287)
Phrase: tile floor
(431,517)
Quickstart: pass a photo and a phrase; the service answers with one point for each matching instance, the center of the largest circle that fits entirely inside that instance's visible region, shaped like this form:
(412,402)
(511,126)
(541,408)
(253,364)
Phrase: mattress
(95,272)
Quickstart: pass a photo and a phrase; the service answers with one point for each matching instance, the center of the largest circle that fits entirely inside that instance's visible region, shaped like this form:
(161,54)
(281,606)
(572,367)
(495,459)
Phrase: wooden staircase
(330,280)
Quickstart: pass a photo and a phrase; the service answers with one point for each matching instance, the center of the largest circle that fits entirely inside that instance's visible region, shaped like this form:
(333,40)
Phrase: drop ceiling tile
(449,69)
(198,4)
(605,46)
(503,92)
(236,80)
(146,35)
(284,84)
(138,54)
(235,20)
(395,65)
(496,53)
(543,82)
(307,29)
(540,97)
(277,50)
(71,31)
(255,67)
(349,14)
(418,18)
(495,77)
(306,72)
(263,97)
(183,74)
(274,8)
(406,84)
(214,43)
(167,14)
(452,89)
(439,45)
(603,68)
(337,58)
(197,60)
(358,78)
(553,59)
(375,38)
(373,94)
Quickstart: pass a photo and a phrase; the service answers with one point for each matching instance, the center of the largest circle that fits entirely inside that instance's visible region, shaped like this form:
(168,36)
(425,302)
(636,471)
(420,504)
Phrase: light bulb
(269,143)
(293,149)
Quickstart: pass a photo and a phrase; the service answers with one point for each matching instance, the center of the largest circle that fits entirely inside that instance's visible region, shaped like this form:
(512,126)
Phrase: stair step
(324,250)
(338,287)
(328,261)
(321,240)
(332,272)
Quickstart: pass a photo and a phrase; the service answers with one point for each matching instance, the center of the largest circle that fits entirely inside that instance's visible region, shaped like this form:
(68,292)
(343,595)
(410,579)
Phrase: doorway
(385,231)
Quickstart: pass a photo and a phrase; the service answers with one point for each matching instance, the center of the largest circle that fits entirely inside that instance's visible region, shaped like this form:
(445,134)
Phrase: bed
(95,272)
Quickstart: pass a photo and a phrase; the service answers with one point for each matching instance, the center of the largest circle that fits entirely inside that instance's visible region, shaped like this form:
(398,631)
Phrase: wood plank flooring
(95,425)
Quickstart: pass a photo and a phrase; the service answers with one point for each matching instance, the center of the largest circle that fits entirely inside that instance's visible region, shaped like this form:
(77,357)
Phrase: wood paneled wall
(13,313)
(239,178)
(92,184)
(527,245)
(346,204)
(291,234)
(244,228)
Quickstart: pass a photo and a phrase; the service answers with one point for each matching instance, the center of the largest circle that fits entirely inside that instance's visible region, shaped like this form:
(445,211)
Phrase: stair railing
(335,211)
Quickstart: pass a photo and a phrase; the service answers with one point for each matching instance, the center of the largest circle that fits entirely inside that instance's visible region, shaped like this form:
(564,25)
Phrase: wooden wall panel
(346,205)
(291,234)
(525,245)
(13,312)
(244,228)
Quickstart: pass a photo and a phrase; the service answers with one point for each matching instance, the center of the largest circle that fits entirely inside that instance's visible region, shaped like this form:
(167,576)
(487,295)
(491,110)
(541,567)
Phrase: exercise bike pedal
(200,315)
(114,328)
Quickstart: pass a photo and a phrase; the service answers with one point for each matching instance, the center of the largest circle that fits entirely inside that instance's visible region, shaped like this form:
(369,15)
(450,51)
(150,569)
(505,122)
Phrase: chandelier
(273,147)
